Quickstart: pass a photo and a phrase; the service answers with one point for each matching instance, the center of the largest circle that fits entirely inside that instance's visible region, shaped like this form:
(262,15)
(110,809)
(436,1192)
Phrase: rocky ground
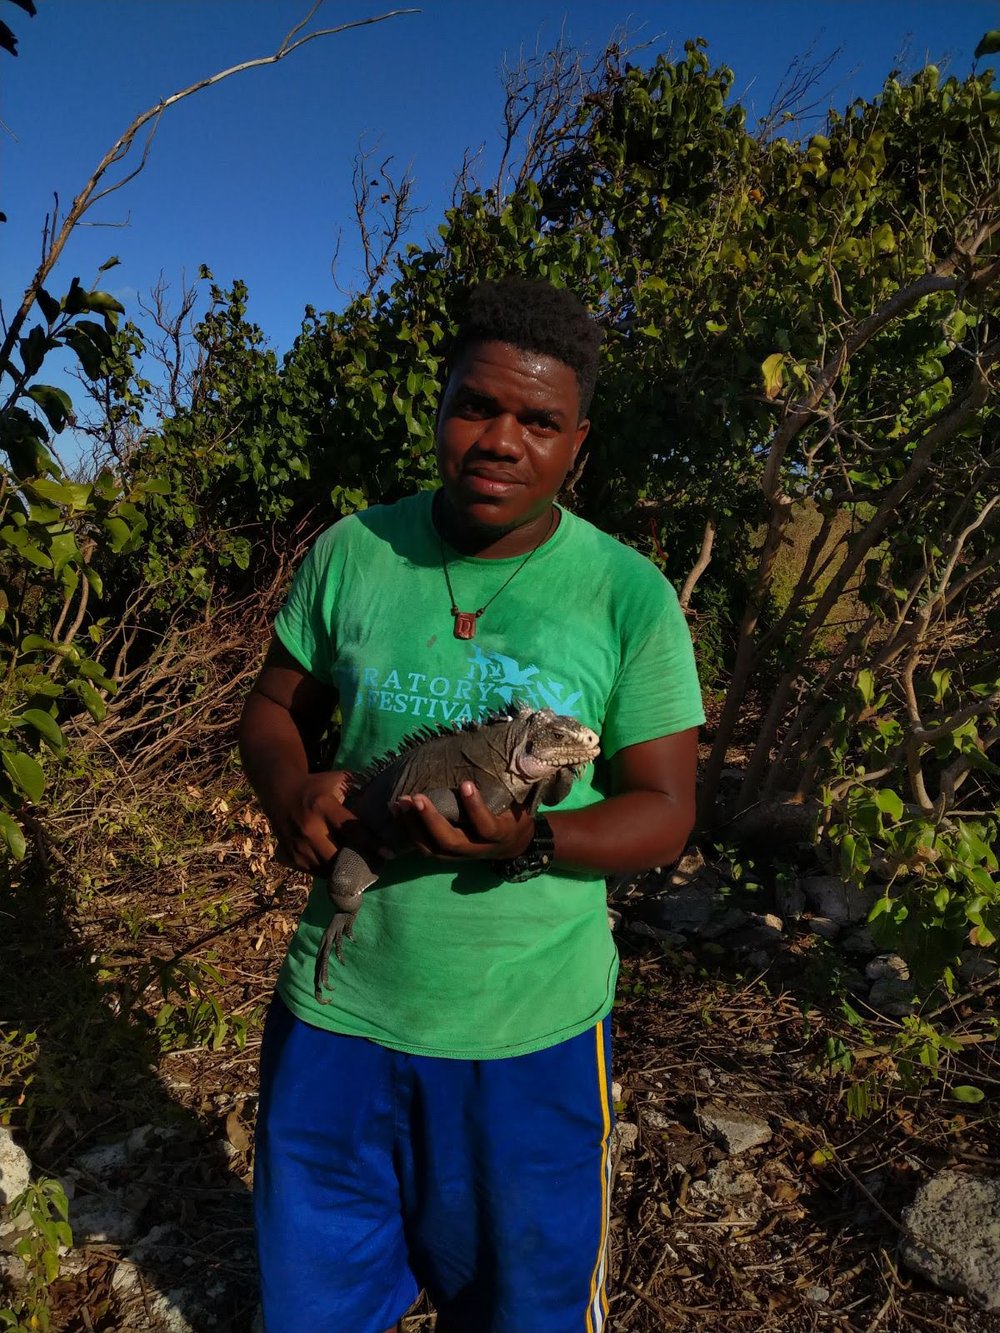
(750,1192)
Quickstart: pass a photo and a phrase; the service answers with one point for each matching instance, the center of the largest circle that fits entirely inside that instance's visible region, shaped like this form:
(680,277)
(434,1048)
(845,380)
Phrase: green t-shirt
(449,960)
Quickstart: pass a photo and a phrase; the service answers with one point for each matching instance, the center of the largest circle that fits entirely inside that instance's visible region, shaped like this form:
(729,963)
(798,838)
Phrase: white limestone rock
(736,1131)
(953,1237)
(624,1137)
(726,1185)
(654,1119)
(103,1219)
(15,1168)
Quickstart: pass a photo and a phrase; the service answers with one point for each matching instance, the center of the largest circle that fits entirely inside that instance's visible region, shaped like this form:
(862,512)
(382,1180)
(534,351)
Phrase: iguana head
(549,742)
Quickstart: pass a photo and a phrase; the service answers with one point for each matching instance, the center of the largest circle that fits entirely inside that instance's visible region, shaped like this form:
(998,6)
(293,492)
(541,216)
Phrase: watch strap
(536,858)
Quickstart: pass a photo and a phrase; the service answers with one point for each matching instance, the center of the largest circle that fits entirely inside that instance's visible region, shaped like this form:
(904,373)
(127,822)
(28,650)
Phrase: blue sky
(253,177)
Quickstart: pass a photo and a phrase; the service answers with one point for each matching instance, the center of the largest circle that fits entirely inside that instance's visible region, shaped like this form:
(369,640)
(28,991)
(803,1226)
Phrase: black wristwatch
(536,857)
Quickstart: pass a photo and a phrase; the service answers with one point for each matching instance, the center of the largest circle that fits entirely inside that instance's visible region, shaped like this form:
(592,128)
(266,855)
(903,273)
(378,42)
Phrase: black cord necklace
(466,621)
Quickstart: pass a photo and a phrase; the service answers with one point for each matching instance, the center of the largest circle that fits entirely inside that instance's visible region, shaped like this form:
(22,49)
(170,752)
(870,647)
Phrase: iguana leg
(341,924)
(349,877)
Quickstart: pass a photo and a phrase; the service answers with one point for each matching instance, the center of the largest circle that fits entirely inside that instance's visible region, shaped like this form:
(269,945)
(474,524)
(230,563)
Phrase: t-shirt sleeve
(656,692)
(305,622)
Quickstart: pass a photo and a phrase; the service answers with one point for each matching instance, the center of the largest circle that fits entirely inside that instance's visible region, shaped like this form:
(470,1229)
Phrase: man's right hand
(314,824)
(286,712)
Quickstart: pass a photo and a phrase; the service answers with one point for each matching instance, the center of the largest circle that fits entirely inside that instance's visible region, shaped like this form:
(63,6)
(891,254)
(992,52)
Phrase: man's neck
(491,543)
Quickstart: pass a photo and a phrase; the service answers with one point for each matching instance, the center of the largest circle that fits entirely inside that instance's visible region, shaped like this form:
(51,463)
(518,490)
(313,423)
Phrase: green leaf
(119,532)
(46,726)
(989,44)
(31,643)
(97,334)
(92,701)
(941,680)
(73,495)
(889,803)
(88,354)
(866,687)
(771,372)
(17,538)
(25,772)
(154,486)
(12,836)
(50,307)
(75,299)
(57,405)
(33,349)
(92,670)
(966,1093)
(63,549)
(104,301)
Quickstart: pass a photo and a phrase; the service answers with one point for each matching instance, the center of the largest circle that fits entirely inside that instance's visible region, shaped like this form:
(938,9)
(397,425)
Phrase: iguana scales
(521,755)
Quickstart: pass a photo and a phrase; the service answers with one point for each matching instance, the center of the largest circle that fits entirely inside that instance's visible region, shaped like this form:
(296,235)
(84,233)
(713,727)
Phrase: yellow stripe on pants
(595,1316)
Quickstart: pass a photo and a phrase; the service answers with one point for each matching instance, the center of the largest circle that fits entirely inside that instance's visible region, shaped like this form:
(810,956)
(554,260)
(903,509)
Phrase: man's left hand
(484,836)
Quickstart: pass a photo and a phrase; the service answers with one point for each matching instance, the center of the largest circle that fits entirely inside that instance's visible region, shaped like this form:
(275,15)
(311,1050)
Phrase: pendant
(465,624)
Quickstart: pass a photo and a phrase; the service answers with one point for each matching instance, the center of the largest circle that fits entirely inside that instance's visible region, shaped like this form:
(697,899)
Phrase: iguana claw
(340,925)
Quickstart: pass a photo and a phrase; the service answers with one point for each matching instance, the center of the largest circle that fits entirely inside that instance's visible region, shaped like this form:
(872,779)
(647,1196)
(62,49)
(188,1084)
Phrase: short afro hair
(531,314)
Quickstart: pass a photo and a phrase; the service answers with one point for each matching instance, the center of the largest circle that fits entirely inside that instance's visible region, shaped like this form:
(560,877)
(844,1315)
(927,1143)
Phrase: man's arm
(646,821)
(648,818)
(283,719)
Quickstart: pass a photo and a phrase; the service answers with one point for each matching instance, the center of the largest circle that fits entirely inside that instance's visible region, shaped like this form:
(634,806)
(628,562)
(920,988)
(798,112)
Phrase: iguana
(518,755)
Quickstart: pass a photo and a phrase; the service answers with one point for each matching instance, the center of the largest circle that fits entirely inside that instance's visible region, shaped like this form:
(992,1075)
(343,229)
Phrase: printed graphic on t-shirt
(491,681)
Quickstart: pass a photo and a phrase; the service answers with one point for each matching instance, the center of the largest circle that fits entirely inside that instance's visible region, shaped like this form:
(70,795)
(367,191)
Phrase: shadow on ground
(160,1204)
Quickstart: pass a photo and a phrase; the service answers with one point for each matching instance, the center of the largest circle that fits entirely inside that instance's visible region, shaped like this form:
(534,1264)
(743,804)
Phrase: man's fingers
(413,828)
(298,855)
(434,835)
(355,834)
(326,795)
(479,815)
(427,828)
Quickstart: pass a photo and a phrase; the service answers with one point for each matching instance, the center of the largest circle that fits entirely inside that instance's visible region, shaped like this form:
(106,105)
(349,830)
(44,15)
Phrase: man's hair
(534,316)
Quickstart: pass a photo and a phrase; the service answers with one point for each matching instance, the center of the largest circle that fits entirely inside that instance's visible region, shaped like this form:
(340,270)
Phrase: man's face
(507,434)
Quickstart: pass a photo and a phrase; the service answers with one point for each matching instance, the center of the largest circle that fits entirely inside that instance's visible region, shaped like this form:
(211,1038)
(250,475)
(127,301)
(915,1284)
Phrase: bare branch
(951,274)
(799,82)
(700,565)
(384,212)
(540,92)
(122,146)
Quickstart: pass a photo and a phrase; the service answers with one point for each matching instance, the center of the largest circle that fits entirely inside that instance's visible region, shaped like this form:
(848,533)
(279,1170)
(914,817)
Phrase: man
(443,1121)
